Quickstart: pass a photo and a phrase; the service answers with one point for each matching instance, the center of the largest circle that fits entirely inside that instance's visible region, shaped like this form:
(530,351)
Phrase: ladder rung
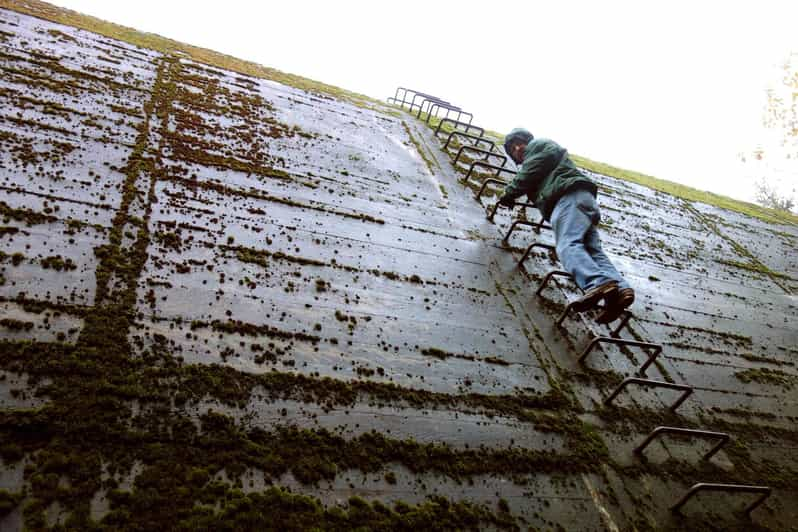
(728,488)
(686,389)
(656,349)
(686,432)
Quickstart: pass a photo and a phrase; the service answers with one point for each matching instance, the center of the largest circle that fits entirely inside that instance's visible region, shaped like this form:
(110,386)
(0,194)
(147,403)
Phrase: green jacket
(546,174)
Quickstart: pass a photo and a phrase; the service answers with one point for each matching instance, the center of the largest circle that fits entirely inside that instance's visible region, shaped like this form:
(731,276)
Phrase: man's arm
(534,169)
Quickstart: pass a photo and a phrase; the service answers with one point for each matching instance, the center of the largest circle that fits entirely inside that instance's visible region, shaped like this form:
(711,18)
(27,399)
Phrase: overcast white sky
(675,89)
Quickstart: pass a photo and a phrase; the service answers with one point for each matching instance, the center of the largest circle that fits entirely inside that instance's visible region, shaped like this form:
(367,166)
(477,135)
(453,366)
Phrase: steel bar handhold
(515,204)
(486,153)
(435,102)
(531,247)
(616,333)
(448,107)
(656,348)
(468,127)
(424,100)
(688,390)
(496,207)
(485,183)
(499,169)
(476,140)
(564,314)
(540,224)
(413,101)
(429,100)
(395,98)
(405,92)
(492,209)
(548,277)
(728,488)
(687,432)
(424,97)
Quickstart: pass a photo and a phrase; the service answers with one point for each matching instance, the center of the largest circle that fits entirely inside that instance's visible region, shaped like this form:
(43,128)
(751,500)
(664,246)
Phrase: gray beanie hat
(517,134)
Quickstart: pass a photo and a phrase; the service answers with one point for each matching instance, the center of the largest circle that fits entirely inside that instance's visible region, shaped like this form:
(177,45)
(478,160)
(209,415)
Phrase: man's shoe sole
(623,300)
(592,297)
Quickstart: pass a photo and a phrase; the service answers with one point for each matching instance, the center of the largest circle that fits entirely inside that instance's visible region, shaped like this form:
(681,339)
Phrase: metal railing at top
(412,101)
(433,111)
(428,103)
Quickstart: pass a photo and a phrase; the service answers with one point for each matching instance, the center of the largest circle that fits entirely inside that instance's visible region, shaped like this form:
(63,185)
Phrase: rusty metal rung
(656,348)
(468,127)
(486,153)
(442,105)
(395,98)
(499,169)
(615,333)
(428,100)
(627,315)
(515,204)
(406,92)
(687,432)
(448,107)
(548,277)
(485,183)
(728,488)
(540,224)
(475,138)
(515,224)
(686,389)
(433,102)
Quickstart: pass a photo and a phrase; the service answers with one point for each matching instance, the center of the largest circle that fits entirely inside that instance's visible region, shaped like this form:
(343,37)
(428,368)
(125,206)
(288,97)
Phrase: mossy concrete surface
(230,303)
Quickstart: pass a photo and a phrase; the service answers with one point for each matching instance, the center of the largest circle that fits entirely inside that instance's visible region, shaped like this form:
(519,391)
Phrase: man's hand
(506,201)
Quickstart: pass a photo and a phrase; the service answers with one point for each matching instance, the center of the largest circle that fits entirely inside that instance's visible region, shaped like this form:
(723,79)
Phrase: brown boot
(594,295)
(615,305)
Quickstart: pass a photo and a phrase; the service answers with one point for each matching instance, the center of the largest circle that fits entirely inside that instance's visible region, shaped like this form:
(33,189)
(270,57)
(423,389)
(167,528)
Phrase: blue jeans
(574,221)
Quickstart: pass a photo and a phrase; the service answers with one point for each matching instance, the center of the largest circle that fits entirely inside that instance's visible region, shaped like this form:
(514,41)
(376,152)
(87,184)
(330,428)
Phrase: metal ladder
(652,350)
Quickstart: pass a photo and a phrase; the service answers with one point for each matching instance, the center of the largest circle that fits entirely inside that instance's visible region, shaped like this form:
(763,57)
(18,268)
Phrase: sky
(673,89)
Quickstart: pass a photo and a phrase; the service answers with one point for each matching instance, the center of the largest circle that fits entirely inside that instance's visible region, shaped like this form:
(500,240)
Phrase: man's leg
(594,249)
(621,299)
(573,220)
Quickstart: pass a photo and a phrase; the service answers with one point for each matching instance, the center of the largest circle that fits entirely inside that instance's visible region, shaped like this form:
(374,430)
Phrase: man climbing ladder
(567,198)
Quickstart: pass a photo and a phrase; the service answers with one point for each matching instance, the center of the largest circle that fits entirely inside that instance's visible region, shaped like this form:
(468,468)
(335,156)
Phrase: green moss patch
(766,376)
(24,215)
(16,325)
